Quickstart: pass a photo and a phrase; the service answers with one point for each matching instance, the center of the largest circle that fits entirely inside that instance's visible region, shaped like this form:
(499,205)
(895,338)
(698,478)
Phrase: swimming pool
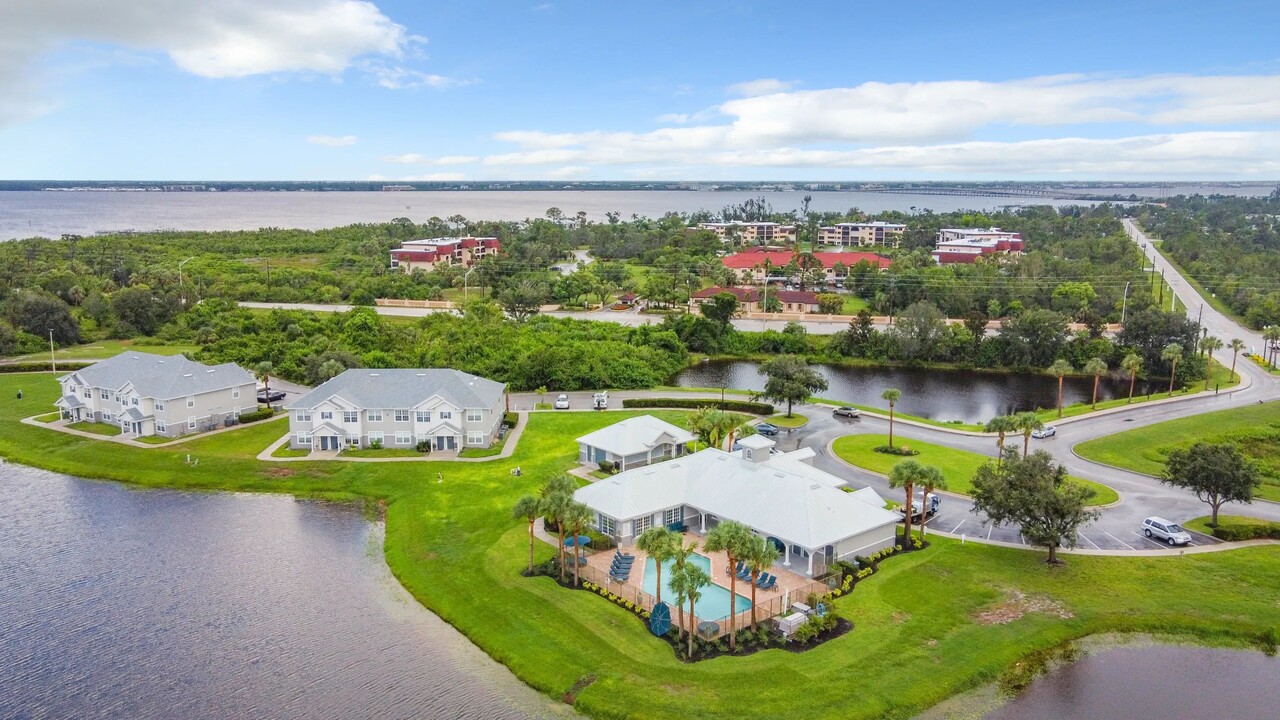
(714,603)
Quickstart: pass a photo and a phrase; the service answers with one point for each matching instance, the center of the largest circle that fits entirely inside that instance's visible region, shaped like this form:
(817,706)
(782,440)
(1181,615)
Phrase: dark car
(270,396)
(767,429)
(846,411)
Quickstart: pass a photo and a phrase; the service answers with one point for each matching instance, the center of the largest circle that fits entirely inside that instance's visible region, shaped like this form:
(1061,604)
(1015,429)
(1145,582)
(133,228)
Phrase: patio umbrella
(579,540)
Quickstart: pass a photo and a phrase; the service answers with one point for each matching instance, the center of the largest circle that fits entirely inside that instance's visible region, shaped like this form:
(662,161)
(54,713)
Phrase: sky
(706,90)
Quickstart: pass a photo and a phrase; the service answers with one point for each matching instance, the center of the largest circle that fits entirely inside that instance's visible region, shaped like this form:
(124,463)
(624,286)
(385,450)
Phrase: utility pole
(465,287)
(53,358)
(1161,287)
(1124,304)
(181,293)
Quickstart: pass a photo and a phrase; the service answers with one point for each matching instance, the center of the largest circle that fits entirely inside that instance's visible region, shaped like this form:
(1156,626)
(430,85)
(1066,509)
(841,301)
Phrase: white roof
(756,442)
(870,496)
(780,497)
(636,435)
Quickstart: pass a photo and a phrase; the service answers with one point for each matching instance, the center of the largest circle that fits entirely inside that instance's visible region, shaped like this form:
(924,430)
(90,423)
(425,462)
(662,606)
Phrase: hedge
(753,408)
(41,367)
(1233,532)
(256,415)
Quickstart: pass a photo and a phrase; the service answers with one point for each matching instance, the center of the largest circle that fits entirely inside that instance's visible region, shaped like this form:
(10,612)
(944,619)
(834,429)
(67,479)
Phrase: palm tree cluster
(555,502)
(907,475)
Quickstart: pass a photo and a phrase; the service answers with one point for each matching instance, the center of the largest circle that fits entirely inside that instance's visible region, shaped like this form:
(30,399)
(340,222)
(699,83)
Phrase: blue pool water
(714,603)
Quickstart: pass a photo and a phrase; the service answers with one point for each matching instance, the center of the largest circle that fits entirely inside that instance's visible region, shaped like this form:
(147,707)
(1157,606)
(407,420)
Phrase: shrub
(510,419)
(375,444)
(607,466)
(1234,532)
(423,446)
(901,451)
(41,366)
(753,408)
(256,415)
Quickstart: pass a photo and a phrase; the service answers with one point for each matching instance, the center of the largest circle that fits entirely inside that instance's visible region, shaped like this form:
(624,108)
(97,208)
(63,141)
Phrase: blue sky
(346,89)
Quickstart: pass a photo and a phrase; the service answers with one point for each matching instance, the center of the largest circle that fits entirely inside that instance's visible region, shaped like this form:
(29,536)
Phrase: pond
(119,603)
(944,395)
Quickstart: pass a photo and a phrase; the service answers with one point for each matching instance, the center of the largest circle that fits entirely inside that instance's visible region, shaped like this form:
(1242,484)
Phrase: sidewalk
(61,426)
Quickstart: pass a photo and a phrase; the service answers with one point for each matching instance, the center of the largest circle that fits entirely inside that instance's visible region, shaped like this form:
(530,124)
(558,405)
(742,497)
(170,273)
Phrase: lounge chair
(764,578)
(769,584)
(745,574)
(625,556)
(619,578)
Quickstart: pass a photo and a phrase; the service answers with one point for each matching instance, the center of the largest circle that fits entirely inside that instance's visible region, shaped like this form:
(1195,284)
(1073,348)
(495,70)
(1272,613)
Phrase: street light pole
(1124,305)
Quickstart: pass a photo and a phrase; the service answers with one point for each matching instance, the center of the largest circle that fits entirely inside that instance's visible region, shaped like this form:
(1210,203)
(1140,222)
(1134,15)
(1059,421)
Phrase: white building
(862,234)
(790,503)
(636,441)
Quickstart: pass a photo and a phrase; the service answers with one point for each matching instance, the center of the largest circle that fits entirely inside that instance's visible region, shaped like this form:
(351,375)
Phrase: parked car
(846,411)
(1045,432)
(562,402)
(1161,529)
(267,397)
(765,428)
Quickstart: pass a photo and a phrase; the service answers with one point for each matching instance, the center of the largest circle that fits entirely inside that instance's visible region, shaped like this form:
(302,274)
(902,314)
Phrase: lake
(944,395)
(119,603)
(50,214)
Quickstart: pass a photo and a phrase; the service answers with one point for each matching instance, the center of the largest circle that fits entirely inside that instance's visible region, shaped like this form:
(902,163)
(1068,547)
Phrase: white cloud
(567,172)
(434,177)
(419,159)
(763,86)
(398,77)
(676,118)
(332,140)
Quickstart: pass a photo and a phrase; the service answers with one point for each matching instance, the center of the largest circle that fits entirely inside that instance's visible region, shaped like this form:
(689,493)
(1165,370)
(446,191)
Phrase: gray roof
(135,414)
(162,376)
(405,388)
(636,435)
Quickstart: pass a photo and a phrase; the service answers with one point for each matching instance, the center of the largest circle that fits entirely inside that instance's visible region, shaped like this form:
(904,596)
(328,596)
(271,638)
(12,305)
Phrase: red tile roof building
(432,252)
(749,264)
(749,298)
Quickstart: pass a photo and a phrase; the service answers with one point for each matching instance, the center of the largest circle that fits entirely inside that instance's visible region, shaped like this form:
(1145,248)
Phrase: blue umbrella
(579,540)
(660,619)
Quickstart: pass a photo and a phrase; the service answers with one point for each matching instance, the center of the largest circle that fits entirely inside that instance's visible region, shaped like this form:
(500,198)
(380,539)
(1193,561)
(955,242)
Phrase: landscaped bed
(920,630)
(958,466)
(795,421)
(384,452)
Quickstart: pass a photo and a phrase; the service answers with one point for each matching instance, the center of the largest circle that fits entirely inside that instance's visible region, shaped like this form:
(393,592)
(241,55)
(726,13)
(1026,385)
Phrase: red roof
(627,297)
(779,258)
(752,295)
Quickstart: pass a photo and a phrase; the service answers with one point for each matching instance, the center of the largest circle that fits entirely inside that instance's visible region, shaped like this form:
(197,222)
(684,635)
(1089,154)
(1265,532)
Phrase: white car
(1161,529)
(562,402)
(1045,432)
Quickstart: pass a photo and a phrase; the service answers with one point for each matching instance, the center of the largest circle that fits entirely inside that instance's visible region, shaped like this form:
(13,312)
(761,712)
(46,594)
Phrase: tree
(577,518)
(1171,354)
(523,299)
(722,308)
(1095,367)
(891,395)
(679,561)
(933,479)
(330,369)
(139,310)
(1132,364)
(760,557)
(711,425)
(264,371)
(40,314)
(790,380)
(1216,474)
(1059,369)
(1001,425)
(691,579)
(920,330)
(557,496)
(1035,494)
(1236,346)
(1210,344)
(1027,422)
(1073,297)
(905,475)
(736,540)
(528,508)
(830,303)
(660,543)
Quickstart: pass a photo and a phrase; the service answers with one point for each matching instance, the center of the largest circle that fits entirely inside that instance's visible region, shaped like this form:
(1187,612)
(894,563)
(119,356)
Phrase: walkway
(130,439)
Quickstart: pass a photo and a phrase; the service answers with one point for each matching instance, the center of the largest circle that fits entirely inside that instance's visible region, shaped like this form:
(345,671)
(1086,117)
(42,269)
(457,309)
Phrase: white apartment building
(863,234)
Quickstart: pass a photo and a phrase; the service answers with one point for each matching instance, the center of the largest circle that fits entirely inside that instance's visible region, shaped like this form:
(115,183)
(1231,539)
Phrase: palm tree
(759,558)
(1211,345)
(1236,346)
(679,561)
(1003,425)
(1132,364)
(1171,354)
(736,540)
(1027,422)
(1271,334)
(659,543)
(528,508)
(1059,369)
(904,475)
(692,579)
(577,519)
(556,506)
(711,425)
(1095,367)
(264,370)
(933,479)
(892,395)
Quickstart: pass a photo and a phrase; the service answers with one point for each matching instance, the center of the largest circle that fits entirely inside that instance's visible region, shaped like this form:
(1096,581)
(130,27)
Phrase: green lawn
(385,452)
(284,451)
(1201,524)
(106,349)
(495,449)
(1256,428)
(917,637)
(853,304)
(796,420)
(154,439)
(48,417)
(1220,378)
(96,428)
(958,466)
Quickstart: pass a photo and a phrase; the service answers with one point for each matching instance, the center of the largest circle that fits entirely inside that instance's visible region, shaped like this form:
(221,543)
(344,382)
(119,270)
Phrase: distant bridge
(971,190)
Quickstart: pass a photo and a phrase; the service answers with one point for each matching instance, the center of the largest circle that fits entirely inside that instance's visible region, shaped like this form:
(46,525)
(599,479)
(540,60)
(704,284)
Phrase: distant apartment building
(431,253)
(966,245)
(751,233)
(755,266)
(864,234)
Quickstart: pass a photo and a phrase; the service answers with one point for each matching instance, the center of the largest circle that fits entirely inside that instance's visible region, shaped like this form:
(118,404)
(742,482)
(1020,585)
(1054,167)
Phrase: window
(159,405)
(303,416)
(423,416)
(350,416)
(353,441)
(134,402)
(475,438)
(642,524)
(446,415)
(375,437)
(373,415)
(235,393)
(475,415)
(106,417)
(235,412)
(402,416)
(160,426)
(404,438)
(606,524)
(304,438)
(117,397)
(88,393)
(673,516)
(104,394)
(326,415)
(191,423)
(191,402)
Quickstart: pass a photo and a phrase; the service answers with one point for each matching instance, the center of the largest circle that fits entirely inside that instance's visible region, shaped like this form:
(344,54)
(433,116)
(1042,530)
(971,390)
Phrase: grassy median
(921,628)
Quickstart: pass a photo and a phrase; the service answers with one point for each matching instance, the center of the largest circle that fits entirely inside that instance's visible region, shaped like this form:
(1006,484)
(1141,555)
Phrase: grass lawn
(1256,428)
(284,451)
(108,348)
(154,439)
(1220,377)
(48,417)
(96,428)
(852,304)
(796,420)
(385,452)
(918,637)
(491,451)
(958,466)
(1201,524)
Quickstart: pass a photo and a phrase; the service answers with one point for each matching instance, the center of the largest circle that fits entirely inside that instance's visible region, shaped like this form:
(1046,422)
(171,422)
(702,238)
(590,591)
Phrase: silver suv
(1161,529)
